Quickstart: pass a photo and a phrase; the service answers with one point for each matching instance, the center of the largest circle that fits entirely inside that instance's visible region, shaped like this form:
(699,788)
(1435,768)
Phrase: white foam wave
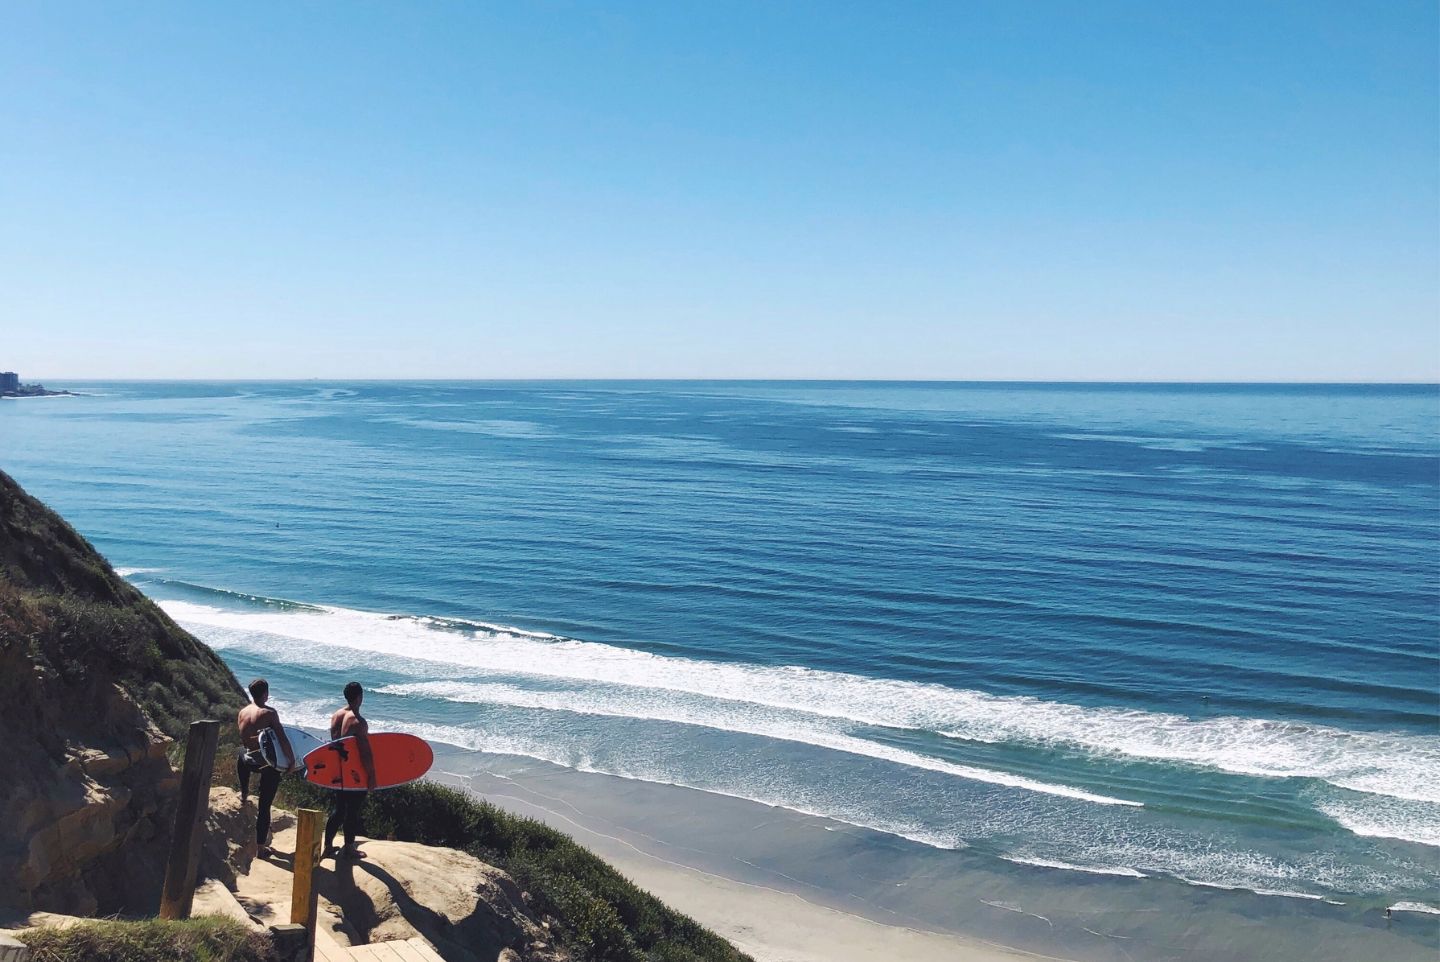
(1122,870)
(726,716)
(1087,839)
(657,705)
(1398,765)
(1402,819)
(1415,907)
(1281,893)
(1393,764)
(1198,860)
(316,715)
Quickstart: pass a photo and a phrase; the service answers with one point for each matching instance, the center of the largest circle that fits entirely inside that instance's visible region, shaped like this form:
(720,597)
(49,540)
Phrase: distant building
(9,382)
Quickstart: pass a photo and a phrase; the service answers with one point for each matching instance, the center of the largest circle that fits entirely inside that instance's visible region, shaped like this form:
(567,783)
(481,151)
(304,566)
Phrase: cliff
(95,682)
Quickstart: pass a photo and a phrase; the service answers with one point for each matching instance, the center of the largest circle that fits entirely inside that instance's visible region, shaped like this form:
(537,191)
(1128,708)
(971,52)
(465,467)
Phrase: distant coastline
(34,390)
(12,386)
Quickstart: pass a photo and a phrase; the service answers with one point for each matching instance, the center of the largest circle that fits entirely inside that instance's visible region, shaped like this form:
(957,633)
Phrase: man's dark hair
(259,689)
(353,691)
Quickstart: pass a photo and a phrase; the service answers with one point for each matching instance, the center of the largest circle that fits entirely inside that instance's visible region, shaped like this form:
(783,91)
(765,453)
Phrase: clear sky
(1017,189)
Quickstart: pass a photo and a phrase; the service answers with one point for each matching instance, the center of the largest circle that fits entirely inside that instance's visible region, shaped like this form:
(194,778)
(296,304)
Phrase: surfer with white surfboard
(255,720)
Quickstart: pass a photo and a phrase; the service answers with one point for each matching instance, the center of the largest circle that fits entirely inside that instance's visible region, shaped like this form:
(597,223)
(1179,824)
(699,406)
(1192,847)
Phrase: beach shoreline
(769,923)
(790,887)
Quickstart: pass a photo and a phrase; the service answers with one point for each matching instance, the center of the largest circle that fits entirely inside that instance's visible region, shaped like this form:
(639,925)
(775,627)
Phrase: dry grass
(196,940)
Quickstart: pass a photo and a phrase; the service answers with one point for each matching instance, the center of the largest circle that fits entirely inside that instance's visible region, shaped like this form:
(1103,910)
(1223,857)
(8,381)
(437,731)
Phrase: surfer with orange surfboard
(347,723)
(354,763)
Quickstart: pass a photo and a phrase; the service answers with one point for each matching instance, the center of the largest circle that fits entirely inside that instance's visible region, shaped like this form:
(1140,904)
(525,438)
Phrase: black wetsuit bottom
(246,764)
(345,810)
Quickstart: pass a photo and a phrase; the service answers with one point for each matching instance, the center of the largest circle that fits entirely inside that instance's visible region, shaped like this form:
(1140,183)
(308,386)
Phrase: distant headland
(10,386)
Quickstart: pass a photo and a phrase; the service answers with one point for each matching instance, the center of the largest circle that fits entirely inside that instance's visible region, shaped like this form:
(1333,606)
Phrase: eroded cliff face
(86,835)
(95,682)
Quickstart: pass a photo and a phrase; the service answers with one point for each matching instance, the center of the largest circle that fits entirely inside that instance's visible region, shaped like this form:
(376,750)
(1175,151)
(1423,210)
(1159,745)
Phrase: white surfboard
(274,753)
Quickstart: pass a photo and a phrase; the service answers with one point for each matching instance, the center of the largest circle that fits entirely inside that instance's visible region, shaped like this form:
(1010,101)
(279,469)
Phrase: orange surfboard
(399,760)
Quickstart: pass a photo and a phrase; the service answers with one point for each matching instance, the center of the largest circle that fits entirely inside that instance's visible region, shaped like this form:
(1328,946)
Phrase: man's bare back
(254,719)
(346,722)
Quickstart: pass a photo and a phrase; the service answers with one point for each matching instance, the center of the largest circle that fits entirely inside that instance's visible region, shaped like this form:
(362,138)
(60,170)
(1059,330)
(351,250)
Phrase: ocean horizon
(1151,633)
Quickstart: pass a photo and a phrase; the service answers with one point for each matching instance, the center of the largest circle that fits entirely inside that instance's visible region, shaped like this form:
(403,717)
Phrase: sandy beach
(777,926)
(771,924)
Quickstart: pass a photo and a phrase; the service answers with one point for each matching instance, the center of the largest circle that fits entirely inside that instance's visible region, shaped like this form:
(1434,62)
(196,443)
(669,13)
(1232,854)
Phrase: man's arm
(367,760)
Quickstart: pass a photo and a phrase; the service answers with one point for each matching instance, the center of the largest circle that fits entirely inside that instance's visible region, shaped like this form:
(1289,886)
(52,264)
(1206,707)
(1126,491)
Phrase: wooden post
(289,941)
(190,811)
(304,897)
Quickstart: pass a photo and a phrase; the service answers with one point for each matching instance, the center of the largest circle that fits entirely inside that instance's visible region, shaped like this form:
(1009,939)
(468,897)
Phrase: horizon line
(744,380)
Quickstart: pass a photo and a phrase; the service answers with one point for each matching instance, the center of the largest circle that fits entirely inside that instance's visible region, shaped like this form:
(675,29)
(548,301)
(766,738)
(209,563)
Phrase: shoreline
(789,887)
(769,923)
(774,925)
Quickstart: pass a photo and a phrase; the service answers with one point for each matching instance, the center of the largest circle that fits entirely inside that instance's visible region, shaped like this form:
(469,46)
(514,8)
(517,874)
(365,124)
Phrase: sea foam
(548,675)
(1402,766)
(620,670)
(731,717)
(1397,818)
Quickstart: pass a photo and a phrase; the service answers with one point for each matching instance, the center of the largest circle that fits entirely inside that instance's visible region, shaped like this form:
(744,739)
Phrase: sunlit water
(1163,631)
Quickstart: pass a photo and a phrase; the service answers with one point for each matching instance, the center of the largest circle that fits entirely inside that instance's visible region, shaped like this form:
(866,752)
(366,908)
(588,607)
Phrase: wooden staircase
(409,950)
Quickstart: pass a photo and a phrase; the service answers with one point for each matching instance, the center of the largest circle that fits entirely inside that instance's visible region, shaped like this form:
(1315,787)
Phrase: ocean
(1175,632)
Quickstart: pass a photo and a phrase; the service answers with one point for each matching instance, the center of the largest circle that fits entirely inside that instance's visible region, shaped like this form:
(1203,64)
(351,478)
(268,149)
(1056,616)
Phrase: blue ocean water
(1180,631)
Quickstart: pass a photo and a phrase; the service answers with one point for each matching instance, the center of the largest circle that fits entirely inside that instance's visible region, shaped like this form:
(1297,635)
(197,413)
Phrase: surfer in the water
(347,804)
(252,720)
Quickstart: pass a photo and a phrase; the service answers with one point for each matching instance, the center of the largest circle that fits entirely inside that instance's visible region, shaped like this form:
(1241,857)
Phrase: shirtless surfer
(252,720)
(347,804)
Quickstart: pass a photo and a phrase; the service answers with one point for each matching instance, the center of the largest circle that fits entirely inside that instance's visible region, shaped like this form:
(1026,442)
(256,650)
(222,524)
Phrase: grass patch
(195,940)
(602,916)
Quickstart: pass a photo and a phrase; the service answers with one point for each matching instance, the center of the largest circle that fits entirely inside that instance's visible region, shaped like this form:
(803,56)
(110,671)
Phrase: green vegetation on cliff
(78,625)
(601,914)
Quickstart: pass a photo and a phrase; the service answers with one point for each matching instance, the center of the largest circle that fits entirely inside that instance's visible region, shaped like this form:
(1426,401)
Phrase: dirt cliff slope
(95,681)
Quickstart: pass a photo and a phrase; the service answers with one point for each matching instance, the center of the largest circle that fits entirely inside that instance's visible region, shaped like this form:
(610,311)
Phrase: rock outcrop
(95,683)
(82,832)
(467,910)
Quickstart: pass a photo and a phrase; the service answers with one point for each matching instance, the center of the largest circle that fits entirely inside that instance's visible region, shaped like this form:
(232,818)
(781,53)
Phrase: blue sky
(1148,191)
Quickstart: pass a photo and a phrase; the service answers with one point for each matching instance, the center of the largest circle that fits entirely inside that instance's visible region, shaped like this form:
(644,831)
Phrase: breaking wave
(808,704)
